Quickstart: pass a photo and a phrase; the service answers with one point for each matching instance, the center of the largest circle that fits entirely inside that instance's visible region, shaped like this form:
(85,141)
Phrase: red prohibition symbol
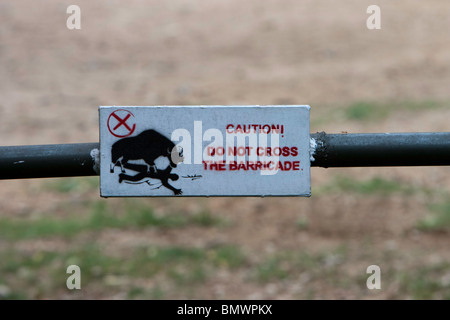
(119,123)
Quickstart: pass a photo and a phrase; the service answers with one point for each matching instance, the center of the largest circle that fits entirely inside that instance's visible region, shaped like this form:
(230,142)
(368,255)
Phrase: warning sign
(205,151)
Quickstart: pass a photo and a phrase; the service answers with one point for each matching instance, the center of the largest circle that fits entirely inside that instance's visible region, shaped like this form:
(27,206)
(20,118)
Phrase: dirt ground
(228,52)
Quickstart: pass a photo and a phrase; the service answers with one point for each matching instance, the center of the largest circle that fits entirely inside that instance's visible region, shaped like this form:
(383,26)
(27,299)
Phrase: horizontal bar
(48,161)
(380,149)
(327,150)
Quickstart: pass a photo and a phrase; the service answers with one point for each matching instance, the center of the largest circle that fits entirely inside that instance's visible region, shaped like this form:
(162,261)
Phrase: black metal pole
(328,150)
(381,149)
(47,161)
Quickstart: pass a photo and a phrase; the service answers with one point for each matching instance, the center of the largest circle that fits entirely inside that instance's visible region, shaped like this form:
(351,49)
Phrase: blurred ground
(320,53)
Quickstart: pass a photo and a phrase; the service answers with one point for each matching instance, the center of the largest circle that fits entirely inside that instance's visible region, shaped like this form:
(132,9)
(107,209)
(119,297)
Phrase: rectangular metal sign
(204,151)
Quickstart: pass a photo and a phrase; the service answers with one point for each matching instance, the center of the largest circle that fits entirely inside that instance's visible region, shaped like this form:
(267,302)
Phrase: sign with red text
(204,151)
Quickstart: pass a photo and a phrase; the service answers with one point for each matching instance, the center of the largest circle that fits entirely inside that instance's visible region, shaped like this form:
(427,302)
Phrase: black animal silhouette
(148,146)
(163,175)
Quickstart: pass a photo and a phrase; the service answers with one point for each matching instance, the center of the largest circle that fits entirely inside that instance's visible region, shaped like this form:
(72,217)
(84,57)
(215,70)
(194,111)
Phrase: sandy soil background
(320,53)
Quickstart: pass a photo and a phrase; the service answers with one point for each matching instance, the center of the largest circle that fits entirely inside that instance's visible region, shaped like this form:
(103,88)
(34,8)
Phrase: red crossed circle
(118,122)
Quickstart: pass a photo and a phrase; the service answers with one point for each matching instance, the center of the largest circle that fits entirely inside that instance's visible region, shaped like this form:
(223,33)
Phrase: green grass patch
(426,282)
(155,293)
(366,111)
(226,256)
(363,111)
(438,219)
(273,269)
(131,214)
(290,264)
(45,271)
(147,262)
(152,260)
(14,229)
(375,185)
(302,223)
(188,276)
(206,219)
(73,184)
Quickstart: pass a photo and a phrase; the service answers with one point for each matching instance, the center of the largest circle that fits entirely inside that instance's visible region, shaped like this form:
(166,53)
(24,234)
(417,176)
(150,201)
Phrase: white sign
(204,151)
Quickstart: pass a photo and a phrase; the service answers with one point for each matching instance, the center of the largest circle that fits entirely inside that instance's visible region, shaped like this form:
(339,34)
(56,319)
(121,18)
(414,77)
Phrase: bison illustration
(148,146)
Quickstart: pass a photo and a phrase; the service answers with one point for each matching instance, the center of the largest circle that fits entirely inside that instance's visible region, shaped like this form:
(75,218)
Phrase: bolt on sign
(204,151)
